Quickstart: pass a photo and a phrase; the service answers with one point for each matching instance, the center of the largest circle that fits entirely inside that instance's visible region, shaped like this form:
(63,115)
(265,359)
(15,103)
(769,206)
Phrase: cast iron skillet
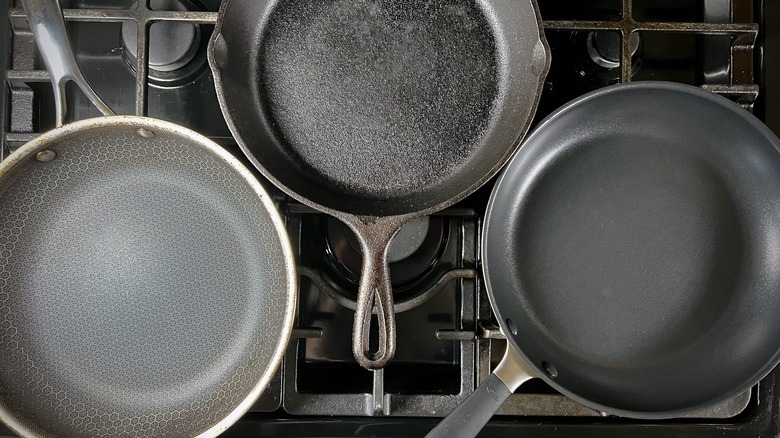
(632,255)
(377,112)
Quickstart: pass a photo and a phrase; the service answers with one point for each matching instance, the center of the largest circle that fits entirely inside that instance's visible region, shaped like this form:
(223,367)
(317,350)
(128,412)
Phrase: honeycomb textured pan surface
(143,287)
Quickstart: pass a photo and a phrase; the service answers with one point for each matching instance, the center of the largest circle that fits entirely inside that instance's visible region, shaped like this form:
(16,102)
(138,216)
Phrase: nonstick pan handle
(375,290)
(48,27)
(468,419)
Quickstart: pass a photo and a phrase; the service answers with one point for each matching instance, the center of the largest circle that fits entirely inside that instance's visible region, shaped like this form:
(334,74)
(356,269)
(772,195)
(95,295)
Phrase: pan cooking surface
(142,287)
(381,97)
(652,241)
(633,245)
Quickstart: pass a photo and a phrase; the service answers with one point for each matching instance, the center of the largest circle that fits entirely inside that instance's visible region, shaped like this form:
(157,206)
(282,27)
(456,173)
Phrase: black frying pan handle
(468,419)
(375,290)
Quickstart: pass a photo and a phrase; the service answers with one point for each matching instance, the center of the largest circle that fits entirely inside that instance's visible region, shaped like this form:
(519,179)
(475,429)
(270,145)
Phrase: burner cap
(172,45)
(412,253)
(415,257)
(405,243)
(604,47)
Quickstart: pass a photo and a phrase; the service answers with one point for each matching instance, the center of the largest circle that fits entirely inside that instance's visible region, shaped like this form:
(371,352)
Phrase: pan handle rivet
(46,155)
(145,133)
(550,369)
(512,326)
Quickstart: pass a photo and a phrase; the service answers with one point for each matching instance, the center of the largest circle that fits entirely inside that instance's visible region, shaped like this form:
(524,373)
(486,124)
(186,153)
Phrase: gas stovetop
(447,337)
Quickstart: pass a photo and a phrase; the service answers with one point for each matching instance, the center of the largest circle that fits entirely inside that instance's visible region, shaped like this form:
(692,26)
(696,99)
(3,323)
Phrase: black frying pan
(377,112)
(632,255)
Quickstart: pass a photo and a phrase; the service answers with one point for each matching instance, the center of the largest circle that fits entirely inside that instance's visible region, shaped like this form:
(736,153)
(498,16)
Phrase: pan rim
(216,70)
(720,101)
(290,269)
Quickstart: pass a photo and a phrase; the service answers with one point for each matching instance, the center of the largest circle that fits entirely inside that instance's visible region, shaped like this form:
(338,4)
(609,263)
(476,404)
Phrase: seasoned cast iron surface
(380,97)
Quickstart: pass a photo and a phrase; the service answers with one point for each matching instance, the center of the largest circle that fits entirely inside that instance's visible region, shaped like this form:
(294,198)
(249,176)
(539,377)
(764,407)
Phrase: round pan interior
(378,108)
(632,249)
(146,284)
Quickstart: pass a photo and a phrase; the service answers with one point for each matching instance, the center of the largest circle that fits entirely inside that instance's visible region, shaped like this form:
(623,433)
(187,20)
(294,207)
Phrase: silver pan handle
(48,27)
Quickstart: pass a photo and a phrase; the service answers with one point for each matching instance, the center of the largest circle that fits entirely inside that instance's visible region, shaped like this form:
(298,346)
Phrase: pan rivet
(145,133)
(511,325)
(550,369)
(46,155)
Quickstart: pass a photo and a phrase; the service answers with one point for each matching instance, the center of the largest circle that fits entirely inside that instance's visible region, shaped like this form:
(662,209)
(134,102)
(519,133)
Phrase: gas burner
(413,254)
(599,54)
(584,60)
(176,49)
(604,48)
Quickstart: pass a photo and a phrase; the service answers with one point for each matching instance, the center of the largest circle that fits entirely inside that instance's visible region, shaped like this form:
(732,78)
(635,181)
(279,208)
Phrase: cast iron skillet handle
(48,27)
(471,416)
(375,290)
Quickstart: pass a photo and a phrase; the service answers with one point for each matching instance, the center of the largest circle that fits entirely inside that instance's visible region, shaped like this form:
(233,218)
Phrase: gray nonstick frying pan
(147,285)
(631,252)
(377,112)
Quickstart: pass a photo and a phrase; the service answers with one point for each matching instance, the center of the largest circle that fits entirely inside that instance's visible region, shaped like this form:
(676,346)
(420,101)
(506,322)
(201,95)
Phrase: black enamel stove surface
(447,337)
